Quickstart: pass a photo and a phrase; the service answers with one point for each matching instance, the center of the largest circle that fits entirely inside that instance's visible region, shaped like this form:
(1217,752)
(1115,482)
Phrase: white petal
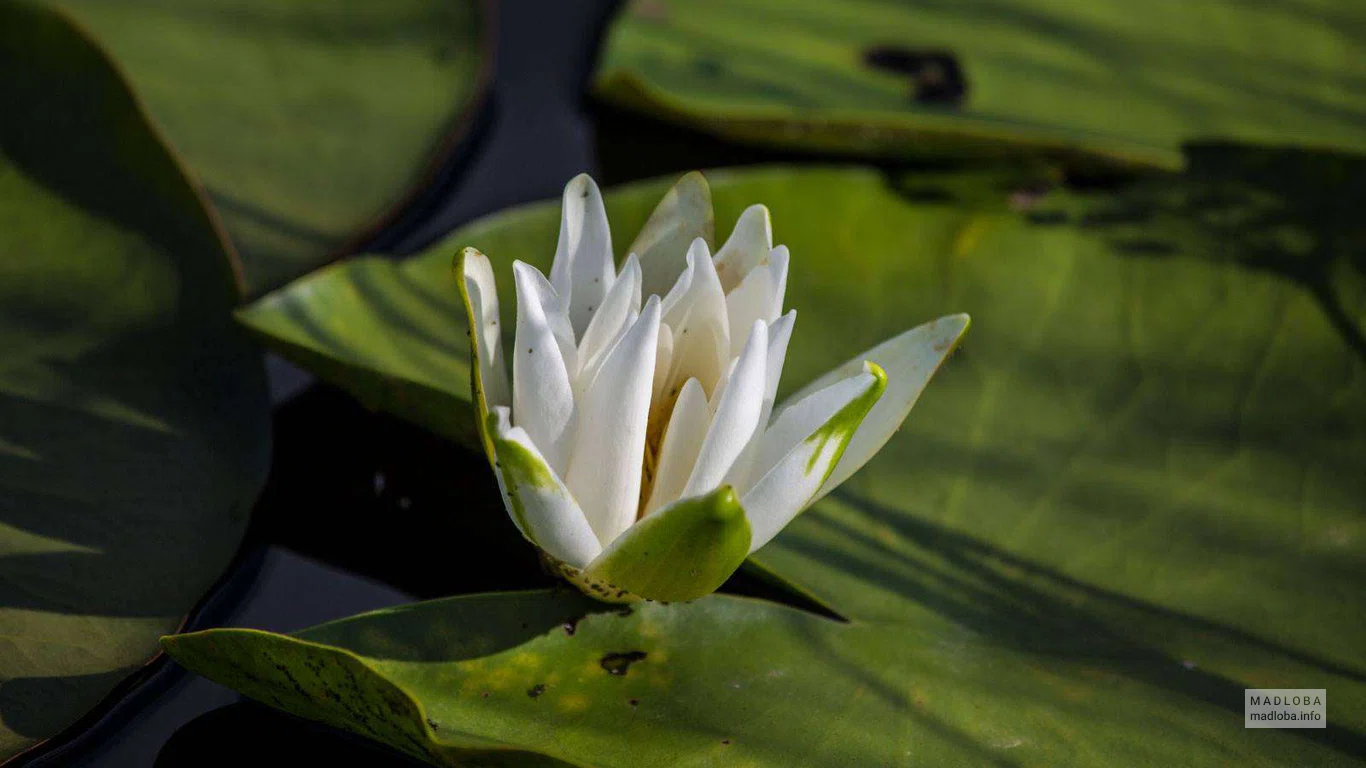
(542,392)
(736,417)
(538,502)
(682,441)
(799,417)
(684,213)
(910,360)
(663,357)
(760,295)
(721,382)
(778,261)
(748,244)
(673,304)
(611,318)
(589,372)
(742,474)
(583,269)
(486,329)
(697,317)
(779,334)
(554,307)
(605,472)
(801,448)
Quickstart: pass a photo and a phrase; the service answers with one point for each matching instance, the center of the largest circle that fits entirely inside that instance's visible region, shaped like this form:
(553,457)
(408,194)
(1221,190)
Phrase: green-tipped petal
(681,552)
(683,215)
(803,446)
(489,374)
(536,498)
(910,360)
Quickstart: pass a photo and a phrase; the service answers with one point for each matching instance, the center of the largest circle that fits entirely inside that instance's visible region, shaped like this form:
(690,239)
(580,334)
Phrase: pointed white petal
(742,474)
(749,301)
(697,317)
(807,439)
(748,244)
(542,391)
(554,307)
(536,499)
(609,449)
(721,382)
(682,441)
(610,318)
(778,260)
(663,357)
(590,369)
(736,417)
(683,214)
(481,292)
(779,334)
(910,360)
(799,417)
(583,269)
(760,295)
(673,305)
(571,231)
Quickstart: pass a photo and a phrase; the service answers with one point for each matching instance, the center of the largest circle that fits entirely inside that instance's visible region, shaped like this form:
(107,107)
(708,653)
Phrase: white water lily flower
(636,443)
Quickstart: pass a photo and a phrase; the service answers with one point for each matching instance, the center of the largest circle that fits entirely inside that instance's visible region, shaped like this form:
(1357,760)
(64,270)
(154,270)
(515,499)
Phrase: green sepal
(681,552)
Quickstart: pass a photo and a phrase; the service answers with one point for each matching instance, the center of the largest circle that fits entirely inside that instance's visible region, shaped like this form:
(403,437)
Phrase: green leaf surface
(1090,81)
(1134,492)
(548,678)
(133,414)
(681,552)
(310,122)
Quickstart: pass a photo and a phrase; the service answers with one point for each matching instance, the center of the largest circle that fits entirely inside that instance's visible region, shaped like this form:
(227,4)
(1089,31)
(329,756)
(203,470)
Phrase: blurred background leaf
(1140,473)
(311,123)
(134,428)
(1093,83)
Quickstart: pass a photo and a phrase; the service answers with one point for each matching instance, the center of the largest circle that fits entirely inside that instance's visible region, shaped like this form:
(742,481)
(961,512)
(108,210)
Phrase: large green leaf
(309,121)
(548,678)
(1090,80)
(133,414)
(1135,492)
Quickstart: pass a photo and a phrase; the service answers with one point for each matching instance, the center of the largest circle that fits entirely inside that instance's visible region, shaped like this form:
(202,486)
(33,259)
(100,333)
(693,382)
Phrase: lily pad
(1134,493)
(1093,83)
(134,418)
(549,678)
(311,123)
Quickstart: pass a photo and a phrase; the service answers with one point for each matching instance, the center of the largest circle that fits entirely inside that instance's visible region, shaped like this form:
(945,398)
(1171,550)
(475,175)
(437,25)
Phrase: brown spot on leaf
(936,77)
(619,663)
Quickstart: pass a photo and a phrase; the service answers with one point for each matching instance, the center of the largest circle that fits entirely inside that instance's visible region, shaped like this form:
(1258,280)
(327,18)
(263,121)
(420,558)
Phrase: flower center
(660,413)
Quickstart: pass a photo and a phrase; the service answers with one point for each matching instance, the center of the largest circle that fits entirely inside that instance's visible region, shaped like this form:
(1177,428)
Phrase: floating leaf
(548,678)
(1094,82)
(133,414)
(309,122)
